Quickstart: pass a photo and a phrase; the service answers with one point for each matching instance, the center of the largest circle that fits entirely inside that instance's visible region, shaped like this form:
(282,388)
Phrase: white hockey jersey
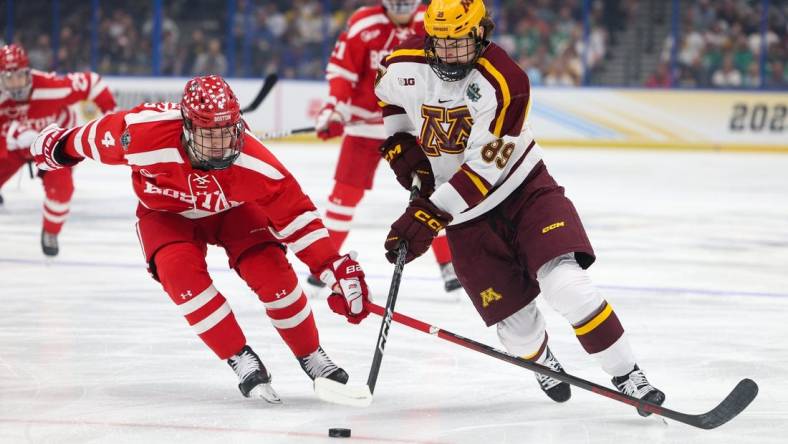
(474,131)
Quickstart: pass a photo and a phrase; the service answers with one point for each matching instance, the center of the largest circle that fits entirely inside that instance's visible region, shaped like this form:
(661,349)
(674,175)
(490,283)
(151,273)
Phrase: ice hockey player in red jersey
(202,178)
(372,33)
(512,231)
(29,101)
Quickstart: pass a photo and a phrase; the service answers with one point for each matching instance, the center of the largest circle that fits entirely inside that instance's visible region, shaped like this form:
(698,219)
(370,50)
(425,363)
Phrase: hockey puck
(339,433)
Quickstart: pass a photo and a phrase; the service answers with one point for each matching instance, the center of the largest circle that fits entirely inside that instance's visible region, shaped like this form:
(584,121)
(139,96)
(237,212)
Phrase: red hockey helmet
(212,124)
(401,7)
(15,76)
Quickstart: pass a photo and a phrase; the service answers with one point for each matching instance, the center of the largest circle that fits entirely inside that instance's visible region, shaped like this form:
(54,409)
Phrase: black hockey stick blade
(737,400)
(268,85)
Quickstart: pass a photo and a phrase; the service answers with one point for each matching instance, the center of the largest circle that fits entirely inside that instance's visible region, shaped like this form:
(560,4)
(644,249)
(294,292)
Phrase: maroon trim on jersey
(414,42)
(519,91)
(465,186)
(520,160)
(392,110)
(413,59)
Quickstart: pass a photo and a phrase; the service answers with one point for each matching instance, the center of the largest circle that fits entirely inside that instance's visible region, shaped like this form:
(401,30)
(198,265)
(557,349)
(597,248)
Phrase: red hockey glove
(419,225)
(405,156)
(350,296)
(329,123)
(44,147)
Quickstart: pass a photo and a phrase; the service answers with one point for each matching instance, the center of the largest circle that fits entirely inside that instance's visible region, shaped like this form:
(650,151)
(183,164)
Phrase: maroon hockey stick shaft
(741,396)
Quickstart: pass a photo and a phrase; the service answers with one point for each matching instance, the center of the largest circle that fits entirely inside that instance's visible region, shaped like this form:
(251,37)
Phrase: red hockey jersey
(369,37)
(52,100)
(148,139)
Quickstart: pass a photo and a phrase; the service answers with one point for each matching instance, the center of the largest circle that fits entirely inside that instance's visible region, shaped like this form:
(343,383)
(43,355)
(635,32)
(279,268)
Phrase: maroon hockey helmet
(401,7)
(212,124)
(15,76)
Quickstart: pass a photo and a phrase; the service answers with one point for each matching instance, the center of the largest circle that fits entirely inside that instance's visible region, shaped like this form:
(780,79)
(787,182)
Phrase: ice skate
(315,281)
(450,281)
(557,391)
(255,381)
(49,243)
(1,200)
(635,384)
(318,365)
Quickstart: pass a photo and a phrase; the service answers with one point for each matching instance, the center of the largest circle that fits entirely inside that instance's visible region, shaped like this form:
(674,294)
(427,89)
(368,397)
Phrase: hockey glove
(404,154)
(44,148)
(350,296)
(419,225)
(329,123)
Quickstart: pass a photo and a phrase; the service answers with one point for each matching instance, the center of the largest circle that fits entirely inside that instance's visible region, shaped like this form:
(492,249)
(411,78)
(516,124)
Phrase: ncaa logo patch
(125,140)
(474,92)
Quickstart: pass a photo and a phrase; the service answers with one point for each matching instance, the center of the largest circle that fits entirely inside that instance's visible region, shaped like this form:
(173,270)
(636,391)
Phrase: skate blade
(265,392)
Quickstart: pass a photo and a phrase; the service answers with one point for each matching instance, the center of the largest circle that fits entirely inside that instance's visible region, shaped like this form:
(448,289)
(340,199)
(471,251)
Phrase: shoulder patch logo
(406,81)
(125,140)
(474,92)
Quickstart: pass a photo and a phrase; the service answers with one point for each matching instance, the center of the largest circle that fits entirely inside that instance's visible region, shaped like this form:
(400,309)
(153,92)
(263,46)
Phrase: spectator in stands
(660,78)
(777,77)
(727,76)
(212,61)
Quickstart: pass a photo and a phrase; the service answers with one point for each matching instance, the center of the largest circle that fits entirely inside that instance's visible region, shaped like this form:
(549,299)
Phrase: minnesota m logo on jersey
(489,296)
(435,138)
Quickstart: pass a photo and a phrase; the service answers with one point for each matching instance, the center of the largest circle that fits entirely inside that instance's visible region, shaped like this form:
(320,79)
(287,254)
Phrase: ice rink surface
(692,252)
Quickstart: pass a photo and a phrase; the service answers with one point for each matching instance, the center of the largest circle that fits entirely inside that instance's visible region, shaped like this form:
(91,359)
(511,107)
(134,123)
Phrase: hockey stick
(361,396)
(268,85)
(307,129)
(733,404)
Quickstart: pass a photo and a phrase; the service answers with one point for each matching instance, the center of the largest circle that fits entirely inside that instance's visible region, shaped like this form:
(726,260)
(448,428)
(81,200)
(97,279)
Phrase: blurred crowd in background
(558,42)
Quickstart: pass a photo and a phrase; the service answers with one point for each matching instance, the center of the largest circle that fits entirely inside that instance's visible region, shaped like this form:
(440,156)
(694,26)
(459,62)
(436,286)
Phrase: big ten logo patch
(489,296)
(377,56)
(406,81)
(445,130)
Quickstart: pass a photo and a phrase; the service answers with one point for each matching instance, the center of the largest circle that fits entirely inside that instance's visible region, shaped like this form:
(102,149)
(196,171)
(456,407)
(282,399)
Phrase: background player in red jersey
(29,101)
(372,33)
(202,178)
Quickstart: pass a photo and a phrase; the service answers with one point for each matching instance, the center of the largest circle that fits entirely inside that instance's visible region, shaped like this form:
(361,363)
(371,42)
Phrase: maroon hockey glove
(405,156)
(44,147)
(419,225)
(329,123)
(350,296)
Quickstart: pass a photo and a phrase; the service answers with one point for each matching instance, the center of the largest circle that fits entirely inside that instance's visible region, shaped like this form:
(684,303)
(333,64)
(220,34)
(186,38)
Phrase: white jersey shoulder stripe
(151,116)
(365,23)
(44,93)
(259,166)
(161,155)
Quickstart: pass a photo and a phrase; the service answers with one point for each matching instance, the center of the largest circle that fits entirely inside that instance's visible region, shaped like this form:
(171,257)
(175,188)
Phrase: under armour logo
(280,294)
(186,295)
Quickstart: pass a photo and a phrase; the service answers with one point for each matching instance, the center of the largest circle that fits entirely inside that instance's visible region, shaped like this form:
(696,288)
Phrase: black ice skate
(318,365)
(255,381)
(1,199)
(635,384)
(315,281)
(49,243)
(557,391)
(450,281)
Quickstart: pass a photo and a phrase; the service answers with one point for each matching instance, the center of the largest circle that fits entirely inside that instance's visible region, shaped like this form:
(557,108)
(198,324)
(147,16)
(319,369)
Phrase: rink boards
(574,117)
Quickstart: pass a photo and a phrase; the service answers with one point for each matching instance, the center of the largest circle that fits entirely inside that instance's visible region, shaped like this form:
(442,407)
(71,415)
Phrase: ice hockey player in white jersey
(455,110)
